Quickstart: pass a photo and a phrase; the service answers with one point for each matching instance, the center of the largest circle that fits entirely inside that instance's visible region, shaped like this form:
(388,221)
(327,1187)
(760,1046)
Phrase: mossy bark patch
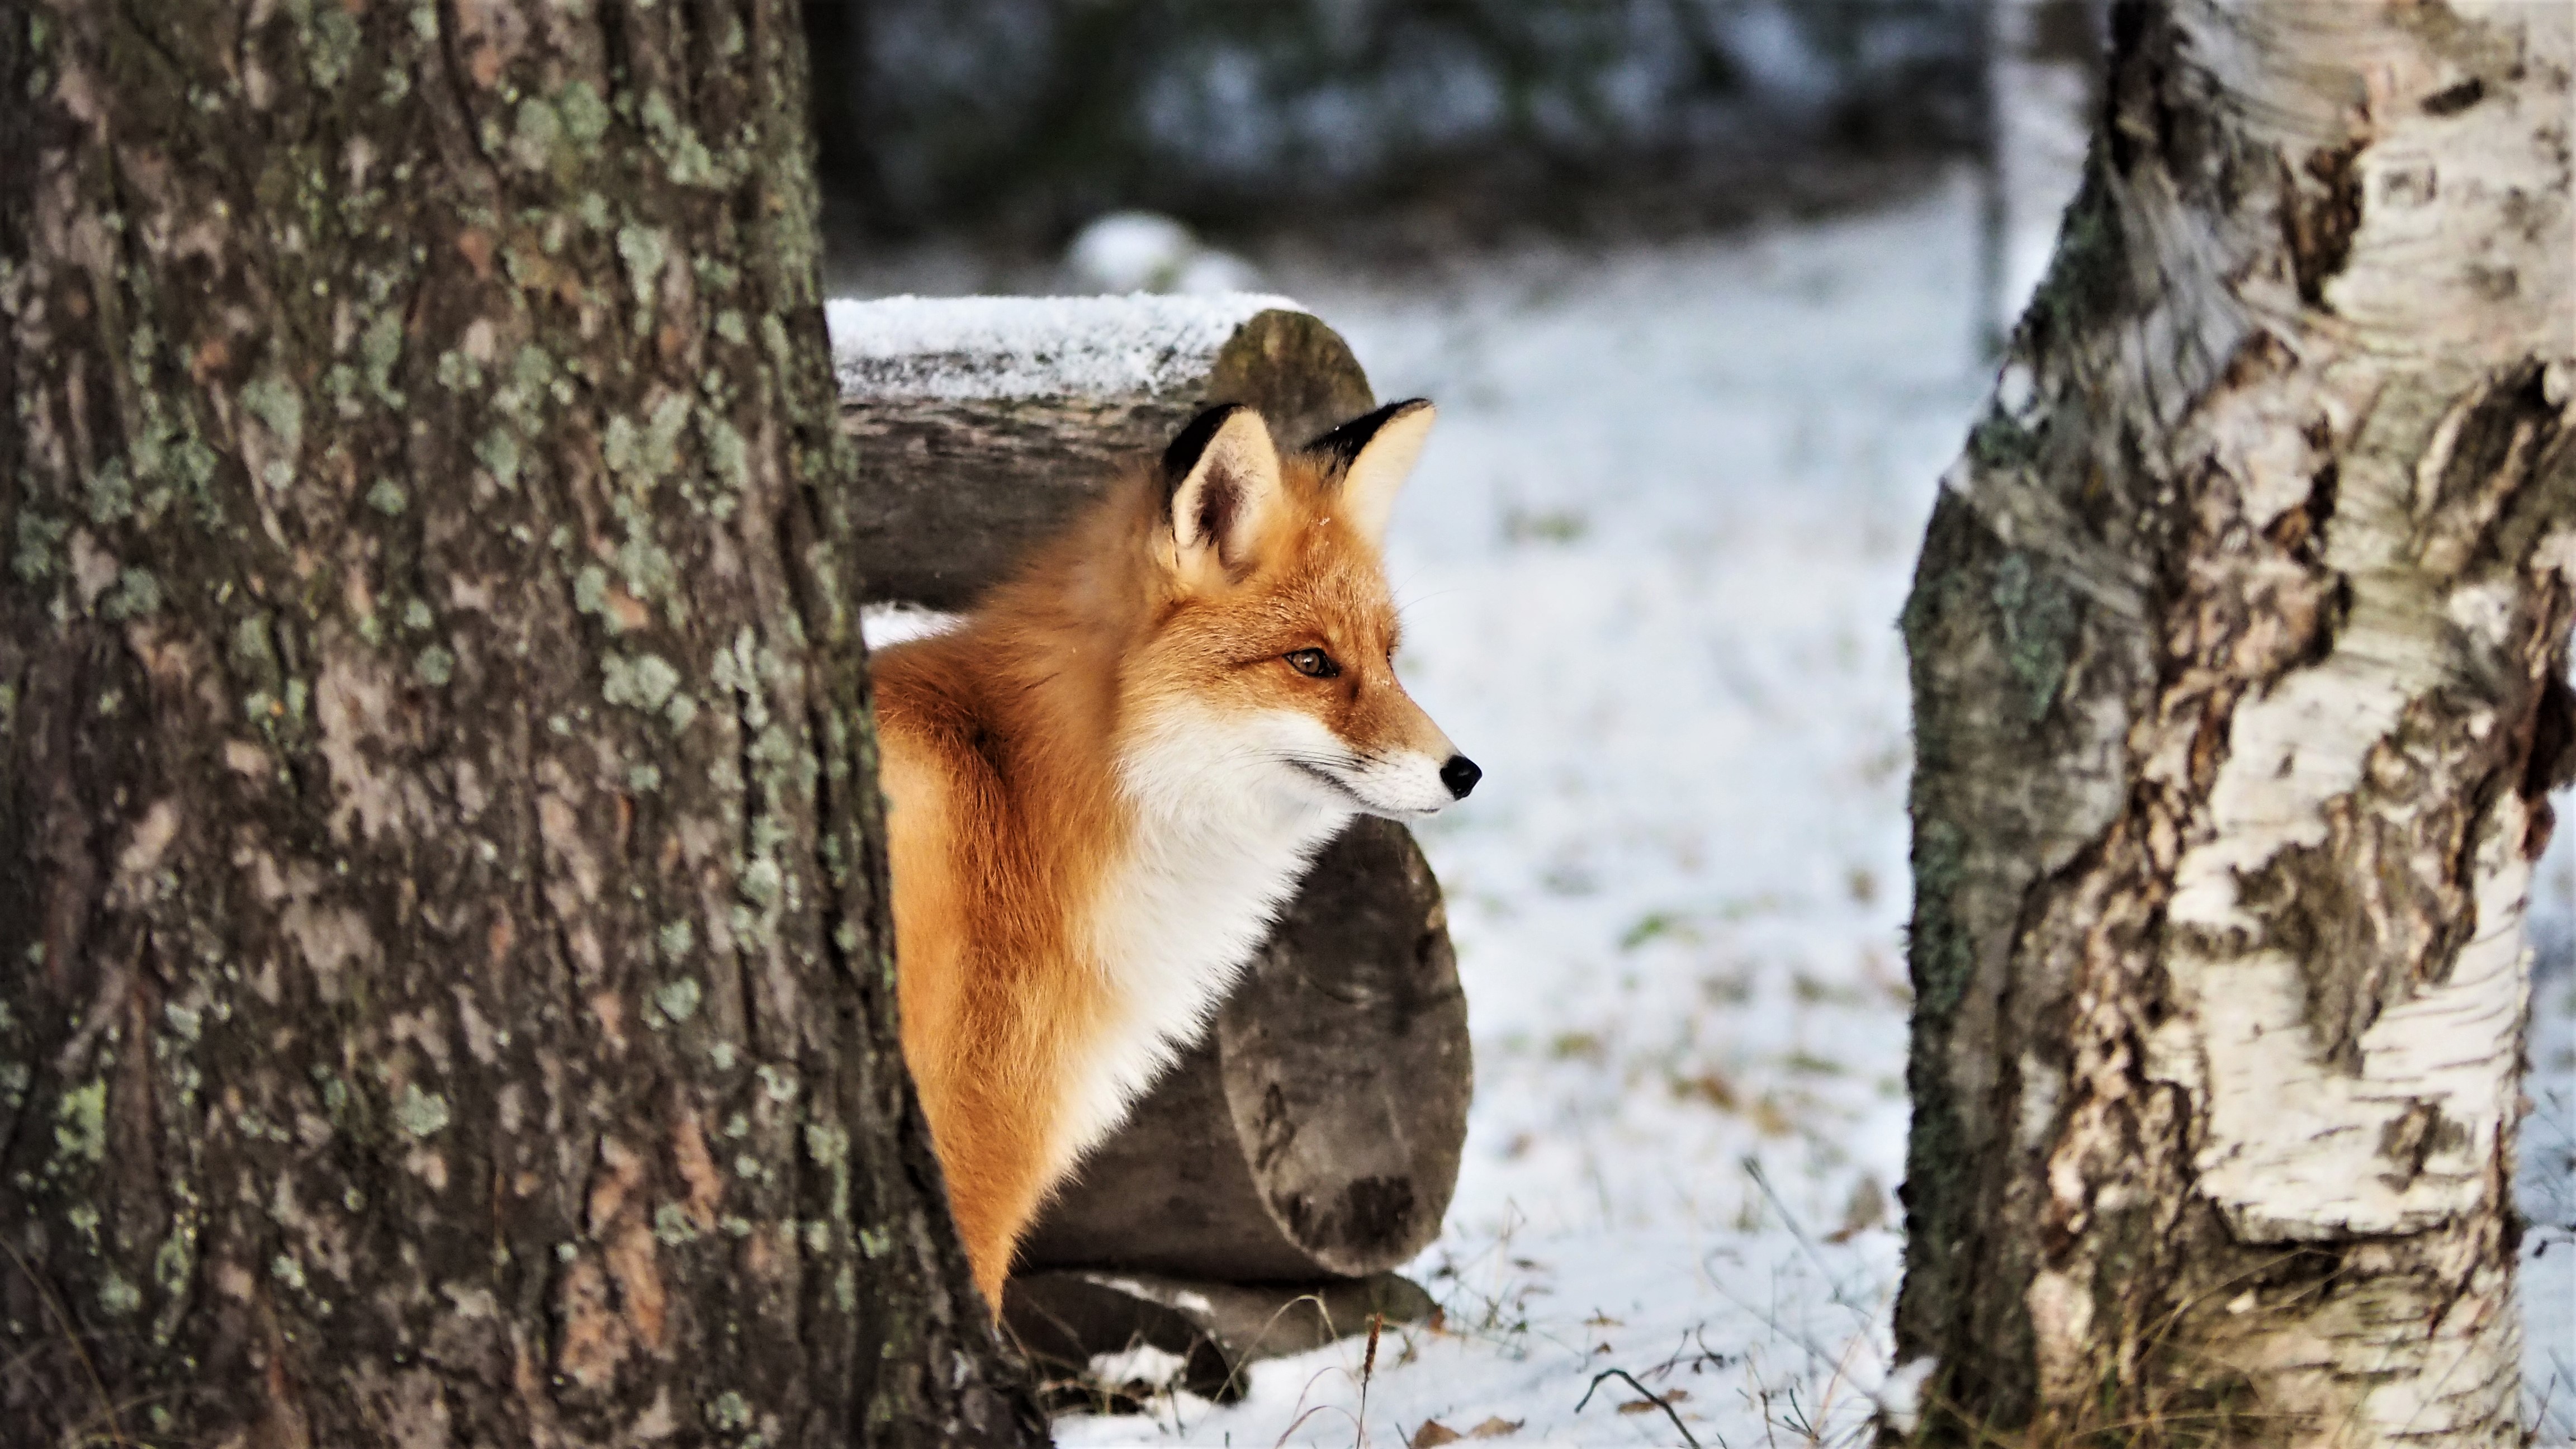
(438,765)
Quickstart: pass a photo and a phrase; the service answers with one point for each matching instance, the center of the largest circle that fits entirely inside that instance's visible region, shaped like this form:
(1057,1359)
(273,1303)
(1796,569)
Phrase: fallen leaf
(1434,1432)
(1496,1427)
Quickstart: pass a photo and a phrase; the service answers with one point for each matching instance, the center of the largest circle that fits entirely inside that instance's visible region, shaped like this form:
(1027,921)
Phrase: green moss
(728,1412)
(671,1226)
(677,939)
(727,452)
(828,1146)
(646,255)
(435,666)
(646,567)
(80,1122)
(679,999)
(388,498)
(2038,617)
(379,349)
(1942,957)
(537,132)
(280,408)
(683,154)
(459,373)
(422,1114)
(111,493)
(331,47)
(645,682)
(2085,277)
(138,595)
(499,453)
(38,539)
(585,117)
(172,1266)
(590,594)
(532,374)
(118,1298)
(1999,444)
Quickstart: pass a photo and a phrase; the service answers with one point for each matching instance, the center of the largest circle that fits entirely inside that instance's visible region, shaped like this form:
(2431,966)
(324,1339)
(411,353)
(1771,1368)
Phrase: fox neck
(1215,846)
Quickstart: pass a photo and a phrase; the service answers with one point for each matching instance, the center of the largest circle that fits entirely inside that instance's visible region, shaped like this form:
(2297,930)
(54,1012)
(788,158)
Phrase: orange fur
(1048,766)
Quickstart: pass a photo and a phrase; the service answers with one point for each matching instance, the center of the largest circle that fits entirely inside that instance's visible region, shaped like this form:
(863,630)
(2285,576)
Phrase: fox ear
(1221,477)
(1376,454)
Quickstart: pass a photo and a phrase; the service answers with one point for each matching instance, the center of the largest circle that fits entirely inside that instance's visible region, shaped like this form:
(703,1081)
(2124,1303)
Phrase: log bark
(986,423)
(447,996)
(1317,1132)
(1065,1320)
(2239,642)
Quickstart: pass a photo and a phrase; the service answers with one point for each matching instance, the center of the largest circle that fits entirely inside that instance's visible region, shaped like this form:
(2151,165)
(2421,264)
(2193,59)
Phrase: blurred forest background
(1012,122)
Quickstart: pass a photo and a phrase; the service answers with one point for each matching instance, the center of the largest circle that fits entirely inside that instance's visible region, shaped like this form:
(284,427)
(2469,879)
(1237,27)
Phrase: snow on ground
(1651,567)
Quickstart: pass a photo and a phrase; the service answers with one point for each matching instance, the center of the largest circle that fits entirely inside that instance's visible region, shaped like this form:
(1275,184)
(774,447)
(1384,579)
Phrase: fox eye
(1313,663)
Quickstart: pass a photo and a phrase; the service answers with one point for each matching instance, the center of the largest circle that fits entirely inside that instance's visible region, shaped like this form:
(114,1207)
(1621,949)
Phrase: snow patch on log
(956,348)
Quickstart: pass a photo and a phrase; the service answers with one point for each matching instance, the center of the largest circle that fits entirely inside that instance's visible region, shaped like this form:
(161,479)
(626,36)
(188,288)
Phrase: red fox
(1104,783)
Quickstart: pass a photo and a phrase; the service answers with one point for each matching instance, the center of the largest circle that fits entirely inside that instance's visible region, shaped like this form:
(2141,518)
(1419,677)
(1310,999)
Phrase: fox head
(1270,661)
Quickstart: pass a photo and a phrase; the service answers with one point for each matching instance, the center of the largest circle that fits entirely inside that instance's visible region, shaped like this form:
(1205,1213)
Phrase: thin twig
(1658,1400)
(1368,1371)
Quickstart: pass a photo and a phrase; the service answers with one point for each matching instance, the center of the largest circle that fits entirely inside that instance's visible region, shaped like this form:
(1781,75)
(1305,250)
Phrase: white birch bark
(2239,640)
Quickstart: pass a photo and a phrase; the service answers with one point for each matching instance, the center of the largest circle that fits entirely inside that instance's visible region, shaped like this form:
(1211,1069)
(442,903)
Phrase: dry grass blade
(1656,1399)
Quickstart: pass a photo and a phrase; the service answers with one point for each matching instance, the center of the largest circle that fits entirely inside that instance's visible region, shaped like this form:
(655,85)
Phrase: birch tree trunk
(446,994)
(2239,644)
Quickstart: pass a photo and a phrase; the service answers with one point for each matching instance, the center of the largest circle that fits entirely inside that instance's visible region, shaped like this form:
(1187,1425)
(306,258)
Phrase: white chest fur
(1217,848)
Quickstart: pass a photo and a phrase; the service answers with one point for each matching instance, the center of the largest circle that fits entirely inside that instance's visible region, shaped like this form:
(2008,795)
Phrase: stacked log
(1258,1199)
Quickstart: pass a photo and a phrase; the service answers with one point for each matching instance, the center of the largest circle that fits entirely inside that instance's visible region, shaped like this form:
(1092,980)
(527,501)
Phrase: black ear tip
(1344,442)
(1183,454)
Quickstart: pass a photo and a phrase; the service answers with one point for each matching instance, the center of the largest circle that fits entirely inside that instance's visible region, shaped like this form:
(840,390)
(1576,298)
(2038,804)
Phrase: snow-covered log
(983,422)
(1315,1134)
(2238,642)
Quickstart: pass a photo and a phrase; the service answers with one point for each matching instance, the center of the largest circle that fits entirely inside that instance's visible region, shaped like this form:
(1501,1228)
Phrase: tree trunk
(2238,643)
(449,998)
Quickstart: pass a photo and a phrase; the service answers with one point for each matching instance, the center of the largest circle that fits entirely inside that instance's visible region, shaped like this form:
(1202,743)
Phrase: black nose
(1460,775)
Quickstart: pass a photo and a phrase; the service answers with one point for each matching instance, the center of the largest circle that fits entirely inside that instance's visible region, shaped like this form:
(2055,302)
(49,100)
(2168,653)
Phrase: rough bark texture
(2238,646)
(448,998)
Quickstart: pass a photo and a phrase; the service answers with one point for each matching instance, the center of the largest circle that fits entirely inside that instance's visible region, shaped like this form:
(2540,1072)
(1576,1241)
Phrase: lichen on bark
(445,891)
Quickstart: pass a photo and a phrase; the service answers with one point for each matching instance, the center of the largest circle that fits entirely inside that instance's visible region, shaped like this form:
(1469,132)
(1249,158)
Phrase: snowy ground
(1651,566)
